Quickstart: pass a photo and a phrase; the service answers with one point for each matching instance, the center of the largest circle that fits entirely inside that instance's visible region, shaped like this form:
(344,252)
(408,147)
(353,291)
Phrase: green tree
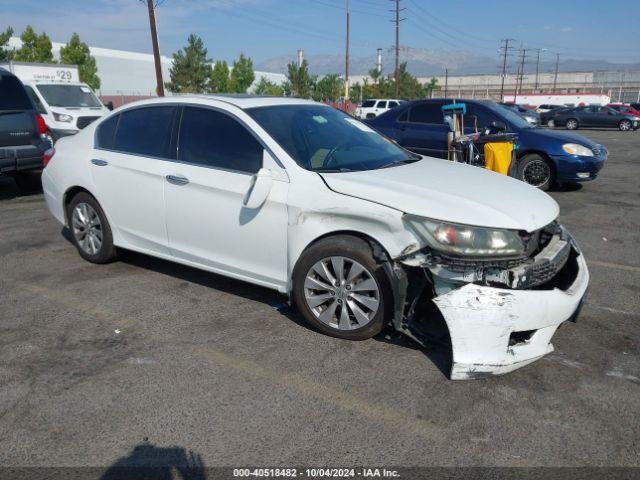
(266,87)
(6,53)
(329,88)
(431,86)
(219,80)
(191,68)
(77,53)
(35,48)
(375,75)
(299,83)
(242,75)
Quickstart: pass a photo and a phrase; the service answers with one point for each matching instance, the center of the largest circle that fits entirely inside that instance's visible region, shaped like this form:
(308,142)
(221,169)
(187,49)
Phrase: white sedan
(301,198)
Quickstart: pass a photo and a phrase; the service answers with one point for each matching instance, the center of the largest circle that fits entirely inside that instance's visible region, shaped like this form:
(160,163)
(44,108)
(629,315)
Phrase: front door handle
(99,163)
(177,179)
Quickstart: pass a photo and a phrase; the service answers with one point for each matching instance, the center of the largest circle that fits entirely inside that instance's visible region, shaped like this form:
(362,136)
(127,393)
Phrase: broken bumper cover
(497,330)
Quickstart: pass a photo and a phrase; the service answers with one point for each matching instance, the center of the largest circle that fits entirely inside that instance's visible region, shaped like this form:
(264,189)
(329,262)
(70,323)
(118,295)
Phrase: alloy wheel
(87,228)
(625,125)
(341,293)
(572,124)
(536,173)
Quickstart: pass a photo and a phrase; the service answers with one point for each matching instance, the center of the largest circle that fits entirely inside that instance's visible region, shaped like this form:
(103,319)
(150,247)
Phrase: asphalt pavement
(144,359)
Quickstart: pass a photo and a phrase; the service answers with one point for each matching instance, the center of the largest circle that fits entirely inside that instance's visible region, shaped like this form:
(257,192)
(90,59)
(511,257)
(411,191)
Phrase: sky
(585,29)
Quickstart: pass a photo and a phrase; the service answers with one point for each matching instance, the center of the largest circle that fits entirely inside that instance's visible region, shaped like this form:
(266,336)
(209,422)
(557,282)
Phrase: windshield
(68,96)
(509,115)
(321,138)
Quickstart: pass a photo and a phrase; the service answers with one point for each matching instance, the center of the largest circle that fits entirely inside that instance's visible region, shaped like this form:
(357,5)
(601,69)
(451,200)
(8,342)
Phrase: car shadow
(567,187)
(9,189)
(438,352)
(148,462)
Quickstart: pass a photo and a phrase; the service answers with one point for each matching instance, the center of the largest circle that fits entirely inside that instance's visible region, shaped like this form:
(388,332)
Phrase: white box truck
(66,104)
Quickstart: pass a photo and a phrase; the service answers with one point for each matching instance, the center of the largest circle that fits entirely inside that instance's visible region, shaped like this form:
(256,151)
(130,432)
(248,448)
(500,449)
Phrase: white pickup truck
(66,104)
(373,107)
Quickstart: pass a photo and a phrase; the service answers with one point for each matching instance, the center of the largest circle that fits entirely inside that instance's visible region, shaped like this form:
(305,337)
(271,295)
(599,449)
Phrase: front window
(69,96)
(321,138)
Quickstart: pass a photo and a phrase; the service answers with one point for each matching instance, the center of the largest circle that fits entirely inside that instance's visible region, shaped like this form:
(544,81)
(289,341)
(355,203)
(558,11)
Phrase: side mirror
(498,126)
(259,190)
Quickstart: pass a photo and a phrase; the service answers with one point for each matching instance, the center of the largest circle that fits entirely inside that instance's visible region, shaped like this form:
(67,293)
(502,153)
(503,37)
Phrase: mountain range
(427,62)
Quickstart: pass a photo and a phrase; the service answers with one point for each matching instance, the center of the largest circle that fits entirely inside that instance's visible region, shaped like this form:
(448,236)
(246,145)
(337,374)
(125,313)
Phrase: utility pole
(505,48)
(300,57)
(555,77)
(397,22)
(538,65)
(346,67)
(379,61)
(446,81)
(156,48)
(520,76)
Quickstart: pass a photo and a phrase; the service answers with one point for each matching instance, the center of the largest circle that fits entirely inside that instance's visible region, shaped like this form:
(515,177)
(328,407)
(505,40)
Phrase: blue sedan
(544,156)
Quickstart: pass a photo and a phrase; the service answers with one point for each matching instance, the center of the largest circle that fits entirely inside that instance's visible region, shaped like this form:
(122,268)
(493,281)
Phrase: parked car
(595,116)
(302,198)
(374,107)
(66,104)
(546,107)
(626,109)
(546,118)
(531,116)
(544,156)
(635,105)
(23,143)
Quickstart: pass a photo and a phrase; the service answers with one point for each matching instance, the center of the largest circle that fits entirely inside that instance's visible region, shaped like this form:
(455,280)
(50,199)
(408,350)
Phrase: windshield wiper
(399,162)
(333,170)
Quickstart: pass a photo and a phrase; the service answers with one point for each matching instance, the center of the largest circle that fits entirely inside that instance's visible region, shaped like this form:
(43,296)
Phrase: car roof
(242,101)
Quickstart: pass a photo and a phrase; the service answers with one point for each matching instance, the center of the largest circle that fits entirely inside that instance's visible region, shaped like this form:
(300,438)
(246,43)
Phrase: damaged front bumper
(500,319)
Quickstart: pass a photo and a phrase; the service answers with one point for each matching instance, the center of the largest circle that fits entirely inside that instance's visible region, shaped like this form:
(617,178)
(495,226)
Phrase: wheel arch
(72,192)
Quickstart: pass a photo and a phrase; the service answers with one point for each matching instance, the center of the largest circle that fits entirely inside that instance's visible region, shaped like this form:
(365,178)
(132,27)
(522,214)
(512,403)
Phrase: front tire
(572,124)
(341,290)
(625,125)
(537,171)
(90,229)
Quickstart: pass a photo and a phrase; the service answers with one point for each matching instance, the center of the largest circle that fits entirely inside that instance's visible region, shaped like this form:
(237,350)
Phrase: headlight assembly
(465,239)
(577,149)
(63,117)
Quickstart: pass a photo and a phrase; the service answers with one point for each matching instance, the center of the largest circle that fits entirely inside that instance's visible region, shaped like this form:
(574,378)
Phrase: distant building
(131,74)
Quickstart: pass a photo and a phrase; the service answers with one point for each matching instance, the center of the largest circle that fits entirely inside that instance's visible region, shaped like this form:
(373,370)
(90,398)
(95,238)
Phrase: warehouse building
(125,74)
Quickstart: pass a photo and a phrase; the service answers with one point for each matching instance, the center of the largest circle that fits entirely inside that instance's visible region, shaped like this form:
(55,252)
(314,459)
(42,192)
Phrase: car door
(207,222)
(128,168)
(423,130)
(590,116)
(610,117)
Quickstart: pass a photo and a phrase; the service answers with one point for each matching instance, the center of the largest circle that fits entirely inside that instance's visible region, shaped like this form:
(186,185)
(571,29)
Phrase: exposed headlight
(465,239)
(577,149)
(63,117)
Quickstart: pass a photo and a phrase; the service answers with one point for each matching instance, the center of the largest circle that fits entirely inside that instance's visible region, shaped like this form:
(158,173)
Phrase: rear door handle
(177,179)
(99,163)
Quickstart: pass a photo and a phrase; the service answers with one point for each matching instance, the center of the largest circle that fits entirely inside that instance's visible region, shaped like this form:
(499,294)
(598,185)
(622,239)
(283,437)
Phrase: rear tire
(572,124)
(370,116)
(90,229)
(625,125)
(537,171)
(356,308)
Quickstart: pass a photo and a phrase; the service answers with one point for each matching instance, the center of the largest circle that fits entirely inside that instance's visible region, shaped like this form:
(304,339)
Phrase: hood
(557,135)
(452,192)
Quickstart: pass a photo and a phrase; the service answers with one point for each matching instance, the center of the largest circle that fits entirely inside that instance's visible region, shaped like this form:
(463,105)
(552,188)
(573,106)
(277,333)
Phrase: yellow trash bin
(497,156)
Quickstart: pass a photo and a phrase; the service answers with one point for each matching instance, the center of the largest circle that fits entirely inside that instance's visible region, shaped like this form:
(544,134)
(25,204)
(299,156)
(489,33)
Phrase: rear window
(106,132)
(12,94)
(145,131)
(426,113)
